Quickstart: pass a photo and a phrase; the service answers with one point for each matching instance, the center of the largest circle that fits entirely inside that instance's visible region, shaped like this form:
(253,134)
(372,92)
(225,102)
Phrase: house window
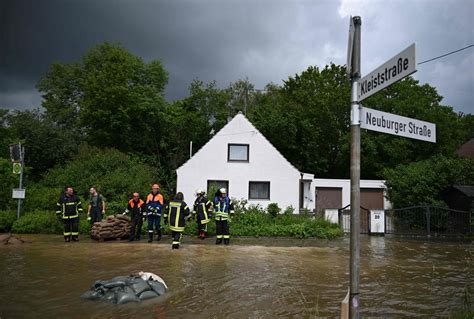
(238,153)
(259,190)
(214,185)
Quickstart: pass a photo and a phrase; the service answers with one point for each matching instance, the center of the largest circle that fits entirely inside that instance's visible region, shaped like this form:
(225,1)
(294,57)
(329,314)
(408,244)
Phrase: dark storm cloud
(264,41)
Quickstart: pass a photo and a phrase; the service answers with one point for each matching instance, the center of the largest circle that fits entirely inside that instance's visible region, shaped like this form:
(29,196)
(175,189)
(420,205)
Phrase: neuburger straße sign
(395,69)
(397,125)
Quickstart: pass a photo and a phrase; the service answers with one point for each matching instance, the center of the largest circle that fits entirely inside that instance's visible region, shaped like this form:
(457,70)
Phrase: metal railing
(345,220)
(428,220)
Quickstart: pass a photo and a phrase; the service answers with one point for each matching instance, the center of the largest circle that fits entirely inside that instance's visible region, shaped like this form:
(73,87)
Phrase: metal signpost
(17,155)
(354,57)
(395,69)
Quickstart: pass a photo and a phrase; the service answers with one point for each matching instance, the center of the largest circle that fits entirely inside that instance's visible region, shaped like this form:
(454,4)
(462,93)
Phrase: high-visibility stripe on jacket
(176,215)
(69,206)
(154,204)
(222,208)
(202,208)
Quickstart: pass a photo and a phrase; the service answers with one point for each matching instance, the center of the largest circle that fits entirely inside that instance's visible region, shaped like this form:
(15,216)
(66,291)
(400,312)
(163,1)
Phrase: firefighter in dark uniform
(223,206)
(203,209)
(137,209)
(175,216)
(154,205)
(68,208)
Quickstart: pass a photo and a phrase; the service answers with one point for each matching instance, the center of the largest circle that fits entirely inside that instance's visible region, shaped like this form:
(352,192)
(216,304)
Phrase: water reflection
(253,278)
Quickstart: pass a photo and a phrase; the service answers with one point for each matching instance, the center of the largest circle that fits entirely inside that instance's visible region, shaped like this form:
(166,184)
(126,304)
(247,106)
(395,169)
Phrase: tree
(112,96)
(115,174)
(45,145)
(422,182)
(409,98)
(307,118)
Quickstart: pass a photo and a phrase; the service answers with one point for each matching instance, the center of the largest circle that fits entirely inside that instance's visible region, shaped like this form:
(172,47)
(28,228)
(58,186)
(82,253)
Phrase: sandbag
(138,285)
(114,283)
(92,295)
(125,295)
(109,296)
(157,287)
(148,295)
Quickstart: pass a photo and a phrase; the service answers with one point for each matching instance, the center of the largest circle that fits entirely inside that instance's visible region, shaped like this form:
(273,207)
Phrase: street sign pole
(22,156)
(354,271)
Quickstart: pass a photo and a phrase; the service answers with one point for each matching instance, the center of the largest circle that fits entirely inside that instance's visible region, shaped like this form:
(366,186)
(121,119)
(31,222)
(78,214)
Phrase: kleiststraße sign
(395,69)
(397,125)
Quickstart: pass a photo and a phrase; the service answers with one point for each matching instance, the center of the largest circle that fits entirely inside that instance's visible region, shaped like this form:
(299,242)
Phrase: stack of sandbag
(122,289)
(113,227)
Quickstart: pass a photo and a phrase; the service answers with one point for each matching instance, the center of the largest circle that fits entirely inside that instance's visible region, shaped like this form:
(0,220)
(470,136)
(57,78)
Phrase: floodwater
(251,278)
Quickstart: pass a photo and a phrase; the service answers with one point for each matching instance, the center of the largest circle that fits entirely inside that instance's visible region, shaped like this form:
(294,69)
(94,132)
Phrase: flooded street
(252,278)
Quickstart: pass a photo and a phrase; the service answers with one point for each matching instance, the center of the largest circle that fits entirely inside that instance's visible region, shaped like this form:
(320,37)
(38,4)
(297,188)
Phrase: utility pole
(354,298)
(22,161)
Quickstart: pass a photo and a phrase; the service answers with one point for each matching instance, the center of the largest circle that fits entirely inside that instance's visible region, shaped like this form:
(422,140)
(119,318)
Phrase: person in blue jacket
(223,207)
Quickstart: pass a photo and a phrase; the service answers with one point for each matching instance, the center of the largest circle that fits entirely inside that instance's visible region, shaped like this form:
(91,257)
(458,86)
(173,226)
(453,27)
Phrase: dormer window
(238,152)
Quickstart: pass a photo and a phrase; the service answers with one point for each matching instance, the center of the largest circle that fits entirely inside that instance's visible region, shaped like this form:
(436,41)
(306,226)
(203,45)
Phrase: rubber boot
(67,239)
(75,238)
(203,234)
(150,237)
(158,238)
(175,246)
(218,241)
(226,241)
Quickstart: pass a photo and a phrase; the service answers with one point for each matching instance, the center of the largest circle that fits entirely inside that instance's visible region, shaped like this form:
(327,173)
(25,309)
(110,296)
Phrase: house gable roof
(238,125)
(467,149)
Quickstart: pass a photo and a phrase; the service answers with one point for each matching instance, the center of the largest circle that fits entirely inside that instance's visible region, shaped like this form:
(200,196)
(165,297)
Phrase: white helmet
(199,192)
(223,190)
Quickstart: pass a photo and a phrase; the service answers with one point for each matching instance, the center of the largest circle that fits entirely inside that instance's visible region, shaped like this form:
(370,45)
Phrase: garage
(328,197)
(371,198)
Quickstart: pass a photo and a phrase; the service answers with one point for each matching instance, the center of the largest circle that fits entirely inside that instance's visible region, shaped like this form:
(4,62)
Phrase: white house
(241,159)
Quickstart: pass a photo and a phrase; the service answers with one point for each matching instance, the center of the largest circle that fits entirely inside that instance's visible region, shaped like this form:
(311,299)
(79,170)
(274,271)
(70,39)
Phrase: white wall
(345,184)
(265,164)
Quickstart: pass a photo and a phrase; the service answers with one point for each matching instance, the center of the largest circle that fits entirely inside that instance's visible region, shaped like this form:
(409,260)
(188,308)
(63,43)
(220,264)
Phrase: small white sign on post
(395,69)
(397,125)
(18,193)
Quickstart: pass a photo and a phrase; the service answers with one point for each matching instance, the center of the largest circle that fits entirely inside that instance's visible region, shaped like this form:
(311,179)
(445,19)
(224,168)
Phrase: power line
(441,56)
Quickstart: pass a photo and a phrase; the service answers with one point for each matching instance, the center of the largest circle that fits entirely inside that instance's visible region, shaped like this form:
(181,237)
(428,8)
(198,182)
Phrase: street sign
(395,69)
(16,168)
(18,193)
(397,125)
(349,47)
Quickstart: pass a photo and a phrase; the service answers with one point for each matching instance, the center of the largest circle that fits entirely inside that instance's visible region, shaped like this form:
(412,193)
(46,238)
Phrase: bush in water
(7,218)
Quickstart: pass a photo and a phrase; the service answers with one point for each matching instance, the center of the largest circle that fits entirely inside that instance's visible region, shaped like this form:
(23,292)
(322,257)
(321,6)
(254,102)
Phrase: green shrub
(290,210)
(7,218)
(43,198)
(273,209)
(38,222)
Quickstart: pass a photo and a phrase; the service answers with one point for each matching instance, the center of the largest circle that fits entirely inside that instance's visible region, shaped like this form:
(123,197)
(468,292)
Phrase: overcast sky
(226,40)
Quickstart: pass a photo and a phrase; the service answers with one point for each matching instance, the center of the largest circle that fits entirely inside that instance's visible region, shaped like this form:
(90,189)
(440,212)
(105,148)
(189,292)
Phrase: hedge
(253,223)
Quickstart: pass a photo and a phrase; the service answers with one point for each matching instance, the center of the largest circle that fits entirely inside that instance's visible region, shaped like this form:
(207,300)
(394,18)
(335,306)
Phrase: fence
(345,220)
(417,220)
(427,220)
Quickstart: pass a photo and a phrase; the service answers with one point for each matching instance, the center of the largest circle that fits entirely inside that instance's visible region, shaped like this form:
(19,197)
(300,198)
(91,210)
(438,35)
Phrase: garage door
(328,197)
(371,198)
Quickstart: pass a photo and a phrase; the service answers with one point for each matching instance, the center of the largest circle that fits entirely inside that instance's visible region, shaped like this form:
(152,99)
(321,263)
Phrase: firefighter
(136,208)
(68,208)
(175,216)
(154,205)
(223,206)
(203,209)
